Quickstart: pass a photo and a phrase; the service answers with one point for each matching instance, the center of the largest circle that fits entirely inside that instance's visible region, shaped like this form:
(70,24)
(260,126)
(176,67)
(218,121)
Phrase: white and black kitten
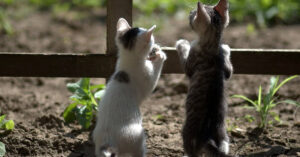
(119,130)
(207,65)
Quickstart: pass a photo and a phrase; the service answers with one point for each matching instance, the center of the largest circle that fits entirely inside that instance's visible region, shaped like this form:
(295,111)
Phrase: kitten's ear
(150,32)
(122,25)
(222,9)
(202,14)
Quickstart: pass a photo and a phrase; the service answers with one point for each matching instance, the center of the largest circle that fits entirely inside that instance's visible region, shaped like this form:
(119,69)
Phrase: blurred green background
(257,13)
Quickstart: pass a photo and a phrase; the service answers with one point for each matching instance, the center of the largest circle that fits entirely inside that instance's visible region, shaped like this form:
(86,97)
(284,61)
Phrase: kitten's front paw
(162,56)
(226,50)
(182,45)
(159,57)
(157,54)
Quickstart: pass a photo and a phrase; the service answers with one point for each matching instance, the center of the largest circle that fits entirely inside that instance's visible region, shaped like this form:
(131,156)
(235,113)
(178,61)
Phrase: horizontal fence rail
(245,61)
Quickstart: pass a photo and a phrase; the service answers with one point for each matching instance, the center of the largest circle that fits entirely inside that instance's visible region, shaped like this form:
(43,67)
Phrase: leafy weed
(265,102)
(84,104)
(6,125)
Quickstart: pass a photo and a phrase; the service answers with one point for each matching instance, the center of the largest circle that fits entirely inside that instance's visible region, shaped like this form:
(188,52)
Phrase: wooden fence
(245,61)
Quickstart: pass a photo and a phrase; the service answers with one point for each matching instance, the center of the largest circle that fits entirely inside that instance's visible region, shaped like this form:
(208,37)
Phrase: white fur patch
(226,49)
(225,147)
(107,153)
(134,130)
(183,46)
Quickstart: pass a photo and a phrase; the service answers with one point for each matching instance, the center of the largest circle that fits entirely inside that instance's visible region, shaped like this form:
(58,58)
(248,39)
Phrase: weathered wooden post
(115,10)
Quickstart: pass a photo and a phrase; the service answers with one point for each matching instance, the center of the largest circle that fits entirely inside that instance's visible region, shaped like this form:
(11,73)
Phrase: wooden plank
(267,62)
(251,61)
(115,10)
(245,61)
(56,65)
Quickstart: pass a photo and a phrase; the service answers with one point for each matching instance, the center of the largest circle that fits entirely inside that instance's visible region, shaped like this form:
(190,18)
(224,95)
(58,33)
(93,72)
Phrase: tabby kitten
(206,63)
(119,130)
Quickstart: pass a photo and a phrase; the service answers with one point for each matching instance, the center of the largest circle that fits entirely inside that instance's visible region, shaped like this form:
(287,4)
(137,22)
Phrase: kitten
(119,130)
(206,63)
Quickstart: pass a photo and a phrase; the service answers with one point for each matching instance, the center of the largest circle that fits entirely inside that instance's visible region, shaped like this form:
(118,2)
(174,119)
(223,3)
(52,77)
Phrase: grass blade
(273,84)
(284,82)
(246,99)
(98,87)
(259,96)
(291,102)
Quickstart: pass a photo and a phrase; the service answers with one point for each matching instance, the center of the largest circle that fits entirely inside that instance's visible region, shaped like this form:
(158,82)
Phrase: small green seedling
(84,104)
(249,118)
(7,125)
(231,125)
(158,117)
(265,102)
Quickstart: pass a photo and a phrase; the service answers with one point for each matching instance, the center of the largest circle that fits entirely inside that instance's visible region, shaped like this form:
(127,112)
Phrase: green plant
(84,103)
(81,4)
(261,12)
(167,6)
(5,25)
(7,125)
(265,12)
(6,2)
(249,118)
(265,102)
(159,117)
(231,125)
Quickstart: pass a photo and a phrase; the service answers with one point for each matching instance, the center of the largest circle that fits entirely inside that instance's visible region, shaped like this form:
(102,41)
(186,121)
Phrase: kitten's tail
(108,151)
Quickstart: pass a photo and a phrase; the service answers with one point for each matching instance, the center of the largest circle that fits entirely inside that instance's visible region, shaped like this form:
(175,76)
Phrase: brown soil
(36,104)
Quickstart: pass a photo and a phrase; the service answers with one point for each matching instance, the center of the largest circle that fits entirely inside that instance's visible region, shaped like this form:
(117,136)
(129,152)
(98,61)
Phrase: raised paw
(160,56)
(156,48)
(182,45)
(157,54)
(226,50)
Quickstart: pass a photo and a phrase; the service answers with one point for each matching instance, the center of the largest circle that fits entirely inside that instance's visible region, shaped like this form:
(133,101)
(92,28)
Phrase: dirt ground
(36,104)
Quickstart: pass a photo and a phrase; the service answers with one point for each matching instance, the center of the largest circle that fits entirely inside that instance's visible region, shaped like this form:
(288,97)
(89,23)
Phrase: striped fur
(207,65)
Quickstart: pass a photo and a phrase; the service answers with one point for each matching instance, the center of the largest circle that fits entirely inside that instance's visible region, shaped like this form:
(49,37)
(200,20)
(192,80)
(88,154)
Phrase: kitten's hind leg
(228,69)
(225,146)
(183,48)
(210,149)
(224,140)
